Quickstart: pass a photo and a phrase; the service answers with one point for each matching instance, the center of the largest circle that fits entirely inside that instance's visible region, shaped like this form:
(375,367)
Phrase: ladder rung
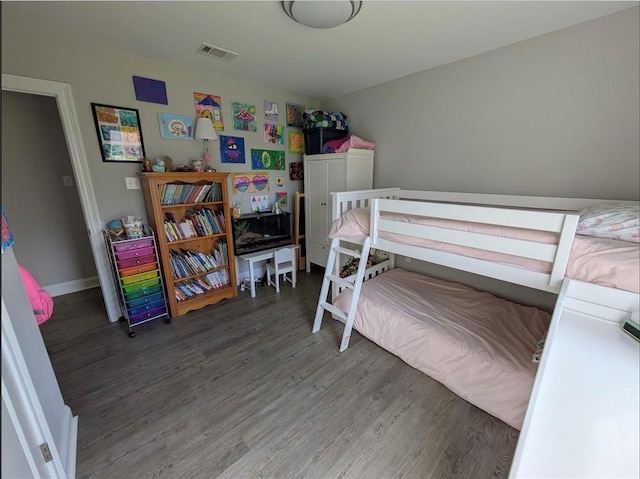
(347,251)
(334,310)
(340,281)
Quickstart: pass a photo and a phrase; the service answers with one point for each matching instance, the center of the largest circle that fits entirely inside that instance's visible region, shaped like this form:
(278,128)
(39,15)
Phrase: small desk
(251,258)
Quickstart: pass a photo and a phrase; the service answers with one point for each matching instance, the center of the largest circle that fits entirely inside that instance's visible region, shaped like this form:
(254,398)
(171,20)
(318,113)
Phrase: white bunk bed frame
(558,215)
(582,419)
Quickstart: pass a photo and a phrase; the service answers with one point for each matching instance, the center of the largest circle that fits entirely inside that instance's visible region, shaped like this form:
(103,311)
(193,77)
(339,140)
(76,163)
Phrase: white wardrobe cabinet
(324,174)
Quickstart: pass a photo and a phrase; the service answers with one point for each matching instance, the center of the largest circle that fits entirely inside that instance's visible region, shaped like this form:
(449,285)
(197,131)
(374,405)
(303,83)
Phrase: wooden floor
(243,389)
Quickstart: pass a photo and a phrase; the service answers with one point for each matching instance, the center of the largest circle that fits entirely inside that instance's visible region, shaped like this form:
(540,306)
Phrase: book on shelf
(204,189)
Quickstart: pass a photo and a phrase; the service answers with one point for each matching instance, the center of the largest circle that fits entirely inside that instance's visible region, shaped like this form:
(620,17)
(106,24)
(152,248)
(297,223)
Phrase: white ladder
(331,276)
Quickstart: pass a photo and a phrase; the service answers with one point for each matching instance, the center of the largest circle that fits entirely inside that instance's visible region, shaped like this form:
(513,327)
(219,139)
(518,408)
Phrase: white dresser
(324,174)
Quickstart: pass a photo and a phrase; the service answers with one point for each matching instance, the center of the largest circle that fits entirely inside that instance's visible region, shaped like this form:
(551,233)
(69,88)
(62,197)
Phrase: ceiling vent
(216,52)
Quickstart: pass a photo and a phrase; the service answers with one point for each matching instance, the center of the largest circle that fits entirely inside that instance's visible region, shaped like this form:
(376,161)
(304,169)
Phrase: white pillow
(619,221)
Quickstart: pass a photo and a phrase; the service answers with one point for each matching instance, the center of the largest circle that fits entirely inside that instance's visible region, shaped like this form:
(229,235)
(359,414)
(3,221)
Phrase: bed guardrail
(557,254)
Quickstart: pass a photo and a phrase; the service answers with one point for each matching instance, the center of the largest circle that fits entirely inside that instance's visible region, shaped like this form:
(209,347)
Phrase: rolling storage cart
(136,272)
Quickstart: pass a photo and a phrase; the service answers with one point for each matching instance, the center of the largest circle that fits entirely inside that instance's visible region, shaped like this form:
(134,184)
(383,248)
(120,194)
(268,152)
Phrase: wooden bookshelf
(192,227)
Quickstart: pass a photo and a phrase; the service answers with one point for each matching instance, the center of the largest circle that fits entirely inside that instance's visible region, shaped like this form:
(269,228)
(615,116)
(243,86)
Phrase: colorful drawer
(139,280)
(136,278)
(130,263)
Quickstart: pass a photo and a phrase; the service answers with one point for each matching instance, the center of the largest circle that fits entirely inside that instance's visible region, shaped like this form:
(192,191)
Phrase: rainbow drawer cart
(136,272)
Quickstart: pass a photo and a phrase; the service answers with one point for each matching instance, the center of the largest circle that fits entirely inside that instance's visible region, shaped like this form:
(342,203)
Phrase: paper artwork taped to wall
(296,172)
(249,182)
(274,134)
(279,181)
(244,116)
(152,91)
(267,160)
(209,106)
(232,149)
(296,141)
(271,110)
(281,198)
(175,127)
(260,203)
(294,115)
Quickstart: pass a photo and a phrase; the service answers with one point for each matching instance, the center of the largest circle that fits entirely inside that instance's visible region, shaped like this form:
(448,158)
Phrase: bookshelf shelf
(189,205)
(196,238)
(189,213)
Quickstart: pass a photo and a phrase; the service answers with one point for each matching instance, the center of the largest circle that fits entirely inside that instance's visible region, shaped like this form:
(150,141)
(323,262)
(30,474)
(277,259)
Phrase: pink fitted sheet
(477,345)
(602,261)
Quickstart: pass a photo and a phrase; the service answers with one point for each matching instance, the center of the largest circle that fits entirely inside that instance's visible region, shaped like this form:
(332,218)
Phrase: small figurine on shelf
(168,163)
(235,211)
(197,165)
(146,164)
(158,167)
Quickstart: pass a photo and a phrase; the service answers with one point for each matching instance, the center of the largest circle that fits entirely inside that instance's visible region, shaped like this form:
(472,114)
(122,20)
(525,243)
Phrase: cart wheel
(167,321)
(121,319)
(132,334)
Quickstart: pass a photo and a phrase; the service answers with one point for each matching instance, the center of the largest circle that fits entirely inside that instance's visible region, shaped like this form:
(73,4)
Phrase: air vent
(216,52)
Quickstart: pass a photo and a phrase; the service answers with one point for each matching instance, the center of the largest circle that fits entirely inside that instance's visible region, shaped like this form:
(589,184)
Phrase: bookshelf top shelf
(192,177)
(201,203)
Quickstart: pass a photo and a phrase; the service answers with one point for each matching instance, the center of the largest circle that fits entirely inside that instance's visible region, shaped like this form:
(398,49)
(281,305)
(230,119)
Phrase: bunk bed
(529,241)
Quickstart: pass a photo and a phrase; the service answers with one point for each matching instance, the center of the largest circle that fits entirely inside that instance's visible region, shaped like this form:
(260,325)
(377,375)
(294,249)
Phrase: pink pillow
(354,222)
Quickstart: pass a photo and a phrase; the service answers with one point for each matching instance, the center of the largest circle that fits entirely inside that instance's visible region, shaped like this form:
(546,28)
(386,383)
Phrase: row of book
(194,287)
(188,262)
(174,194)
(203,222)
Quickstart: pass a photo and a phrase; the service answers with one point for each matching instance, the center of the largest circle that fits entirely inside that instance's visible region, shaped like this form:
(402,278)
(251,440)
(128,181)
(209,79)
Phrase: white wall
(45,216)
(556,115)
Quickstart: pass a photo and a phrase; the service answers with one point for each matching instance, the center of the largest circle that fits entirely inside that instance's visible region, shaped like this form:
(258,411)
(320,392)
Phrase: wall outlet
(133,183)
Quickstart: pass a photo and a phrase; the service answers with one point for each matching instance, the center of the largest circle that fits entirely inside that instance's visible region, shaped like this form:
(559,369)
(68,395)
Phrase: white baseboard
(72,286)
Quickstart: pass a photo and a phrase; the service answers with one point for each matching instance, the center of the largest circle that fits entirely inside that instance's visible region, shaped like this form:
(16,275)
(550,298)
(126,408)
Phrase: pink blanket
(606,262)
(476,344)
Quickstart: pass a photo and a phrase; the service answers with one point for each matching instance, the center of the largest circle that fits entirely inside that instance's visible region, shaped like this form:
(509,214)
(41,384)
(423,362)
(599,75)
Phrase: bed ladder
(330,276)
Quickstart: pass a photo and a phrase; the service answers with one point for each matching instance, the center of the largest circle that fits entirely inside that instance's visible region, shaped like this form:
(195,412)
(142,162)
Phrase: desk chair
(284,261)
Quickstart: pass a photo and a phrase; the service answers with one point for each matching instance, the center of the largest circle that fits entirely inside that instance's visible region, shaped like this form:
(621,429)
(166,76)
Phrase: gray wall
(556,115)
(45,216)
(101,75)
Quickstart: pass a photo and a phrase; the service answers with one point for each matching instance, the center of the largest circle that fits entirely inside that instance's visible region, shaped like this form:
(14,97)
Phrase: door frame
(61,92)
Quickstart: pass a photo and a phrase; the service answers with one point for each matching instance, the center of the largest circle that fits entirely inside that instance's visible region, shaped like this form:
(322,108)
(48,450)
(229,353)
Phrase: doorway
(61,92)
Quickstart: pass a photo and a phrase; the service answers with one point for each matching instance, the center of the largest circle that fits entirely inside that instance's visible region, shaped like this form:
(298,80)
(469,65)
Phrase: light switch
(67,181)
(132,182)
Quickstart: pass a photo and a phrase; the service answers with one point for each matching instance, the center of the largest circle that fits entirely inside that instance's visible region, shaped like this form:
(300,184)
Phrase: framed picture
(119,133)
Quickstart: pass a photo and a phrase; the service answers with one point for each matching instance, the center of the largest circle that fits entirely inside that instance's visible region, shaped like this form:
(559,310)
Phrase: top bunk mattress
(606,262)
(478,345)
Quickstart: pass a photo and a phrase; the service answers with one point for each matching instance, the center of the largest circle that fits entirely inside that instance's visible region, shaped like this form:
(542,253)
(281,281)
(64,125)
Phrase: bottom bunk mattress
(476,344)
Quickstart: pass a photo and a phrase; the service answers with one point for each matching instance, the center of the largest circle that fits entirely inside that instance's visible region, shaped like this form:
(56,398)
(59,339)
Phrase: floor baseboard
(72,286)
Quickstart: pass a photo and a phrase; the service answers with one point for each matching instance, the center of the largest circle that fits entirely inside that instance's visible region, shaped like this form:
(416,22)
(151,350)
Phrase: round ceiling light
(322,14)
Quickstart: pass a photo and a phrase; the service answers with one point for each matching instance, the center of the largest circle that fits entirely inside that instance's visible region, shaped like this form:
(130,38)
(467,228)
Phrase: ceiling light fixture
(322,14)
